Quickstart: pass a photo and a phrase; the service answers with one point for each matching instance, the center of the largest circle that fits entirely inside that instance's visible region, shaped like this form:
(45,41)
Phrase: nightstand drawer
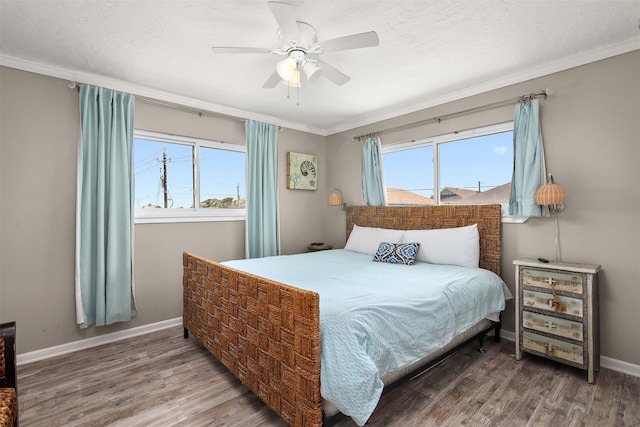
(557,312)
(544,301)
(564,281)
(553,348)
(553,325)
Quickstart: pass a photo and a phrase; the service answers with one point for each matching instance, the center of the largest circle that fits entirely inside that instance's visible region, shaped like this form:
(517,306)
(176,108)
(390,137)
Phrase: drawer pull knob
(550,325)
(557,303)
(550,349)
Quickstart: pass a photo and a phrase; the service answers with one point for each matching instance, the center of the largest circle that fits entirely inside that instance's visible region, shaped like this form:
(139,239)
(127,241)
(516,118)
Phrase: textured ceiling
(430,50)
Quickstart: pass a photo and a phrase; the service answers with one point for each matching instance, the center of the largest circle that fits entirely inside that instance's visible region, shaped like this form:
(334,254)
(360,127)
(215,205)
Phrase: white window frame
(435,142)
(197,214)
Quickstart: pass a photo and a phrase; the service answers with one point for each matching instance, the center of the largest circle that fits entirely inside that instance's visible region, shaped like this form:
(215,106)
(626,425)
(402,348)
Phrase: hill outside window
(467,167)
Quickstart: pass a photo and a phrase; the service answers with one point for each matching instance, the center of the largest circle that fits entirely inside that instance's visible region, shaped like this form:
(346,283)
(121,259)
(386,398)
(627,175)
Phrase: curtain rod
(438,119)
(174,105)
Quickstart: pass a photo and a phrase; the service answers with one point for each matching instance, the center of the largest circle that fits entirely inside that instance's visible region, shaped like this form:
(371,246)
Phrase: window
(470,167)
(186,179)
(408,174)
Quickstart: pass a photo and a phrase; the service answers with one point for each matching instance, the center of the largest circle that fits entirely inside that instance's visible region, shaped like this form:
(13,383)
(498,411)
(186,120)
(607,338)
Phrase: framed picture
(302,171)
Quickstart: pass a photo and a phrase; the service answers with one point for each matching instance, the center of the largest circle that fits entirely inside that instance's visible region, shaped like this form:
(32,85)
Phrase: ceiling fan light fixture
(310,69)
(293,81)
(299,40)
(287,68)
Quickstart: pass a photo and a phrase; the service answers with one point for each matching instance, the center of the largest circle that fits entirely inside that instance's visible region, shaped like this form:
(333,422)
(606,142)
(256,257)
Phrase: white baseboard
(508,335)
(59,350)
(605,362)
(620,366)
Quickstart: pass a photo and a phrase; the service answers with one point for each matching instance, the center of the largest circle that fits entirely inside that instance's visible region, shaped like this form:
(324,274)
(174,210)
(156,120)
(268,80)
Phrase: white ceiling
(430,51)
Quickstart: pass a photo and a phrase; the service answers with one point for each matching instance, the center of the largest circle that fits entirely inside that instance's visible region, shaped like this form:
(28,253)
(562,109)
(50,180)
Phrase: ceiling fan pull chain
(298,88)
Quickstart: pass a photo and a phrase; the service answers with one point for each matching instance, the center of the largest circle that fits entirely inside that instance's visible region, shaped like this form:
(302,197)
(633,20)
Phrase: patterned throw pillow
(397,253)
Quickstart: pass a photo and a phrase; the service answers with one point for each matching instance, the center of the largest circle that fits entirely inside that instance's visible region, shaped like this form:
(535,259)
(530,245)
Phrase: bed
(267,332)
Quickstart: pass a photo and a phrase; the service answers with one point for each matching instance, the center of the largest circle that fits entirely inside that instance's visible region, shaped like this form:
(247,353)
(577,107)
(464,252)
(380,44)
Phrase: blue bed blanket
(376,318)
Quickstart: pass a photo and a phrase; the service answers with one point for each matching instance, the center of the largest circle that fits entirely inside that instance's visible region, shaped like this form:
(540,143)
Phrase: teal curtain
(104,212)
(528,155)
(373,188)
(262,186)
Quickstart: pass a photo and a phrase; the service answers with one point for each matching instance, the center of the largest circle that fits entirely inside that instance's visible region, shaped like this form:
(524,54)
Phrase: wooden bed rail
(266,333)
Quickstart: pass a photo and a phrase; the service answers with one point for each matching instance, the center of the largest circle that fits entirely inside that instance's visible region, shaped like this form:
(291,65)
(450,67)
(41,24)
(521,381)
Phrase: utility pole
(238,190)
(163,178)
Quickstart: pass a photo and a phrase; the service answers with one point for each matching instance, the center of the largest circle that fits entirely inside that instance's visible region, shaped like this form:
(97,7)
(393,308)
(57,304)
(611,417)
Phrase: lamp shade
(335,200)
(293,81)
(287,68)
(310,70)
(550,194)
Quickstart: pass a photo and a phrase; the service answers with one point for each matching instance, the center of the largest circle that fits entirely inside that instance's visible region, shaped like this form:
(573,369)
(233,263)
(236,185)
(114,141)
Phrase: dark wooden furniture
(320,247)
(8,377)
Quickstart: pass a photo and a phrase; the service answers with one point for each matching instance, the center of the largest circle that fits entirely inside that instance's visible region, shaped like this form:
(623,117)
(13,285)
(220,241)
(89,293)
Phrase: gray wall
(591,132)
(39,124)
(591,128)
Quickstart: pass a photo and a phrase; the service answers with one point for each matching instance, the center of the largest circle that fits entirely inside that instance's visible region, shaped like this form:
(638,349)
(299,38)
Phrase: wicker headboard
(488,218)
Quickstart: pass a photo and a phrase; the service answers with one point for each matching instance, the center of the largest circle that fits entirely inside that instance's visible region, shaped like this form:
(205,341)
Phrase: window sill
(177,216)
(238,215)
(508,219)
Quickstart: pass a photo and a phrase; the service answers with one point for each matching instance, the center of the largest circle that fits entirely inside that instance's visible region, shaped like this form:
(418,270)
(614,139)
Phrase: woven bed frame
(268,334)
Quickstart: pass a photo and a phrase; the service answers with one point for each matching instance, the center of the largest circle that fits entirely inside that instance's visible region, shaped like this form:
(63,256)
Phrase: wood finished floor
(162,379)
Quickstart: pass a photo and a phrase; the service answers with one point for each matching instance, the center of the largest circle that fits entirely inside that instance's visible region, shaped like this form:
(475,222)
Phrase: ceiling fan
(299,44)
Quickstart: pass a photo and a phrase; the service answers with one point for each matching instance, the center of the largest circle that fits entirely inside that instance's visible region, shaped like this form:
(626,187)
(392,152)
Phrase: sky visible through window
(486,161)
(222,173)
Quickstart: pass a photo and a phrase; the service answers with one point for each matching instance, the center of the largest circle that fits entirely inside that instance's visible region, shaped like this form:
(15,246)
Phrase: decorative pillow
(456,246)
(397,253)
(366,239)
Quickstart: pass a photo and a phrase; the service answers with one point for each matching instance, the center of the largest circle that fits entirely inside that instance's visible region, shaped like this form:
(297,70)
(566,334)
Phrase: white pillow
(456,246)
(367,239)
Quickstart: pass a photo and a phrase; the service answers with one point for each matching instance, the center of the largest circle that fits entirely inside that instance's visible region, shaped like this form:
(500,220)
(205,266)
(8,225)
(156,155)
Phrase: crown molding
(139,90)
(146,92)
(529,74)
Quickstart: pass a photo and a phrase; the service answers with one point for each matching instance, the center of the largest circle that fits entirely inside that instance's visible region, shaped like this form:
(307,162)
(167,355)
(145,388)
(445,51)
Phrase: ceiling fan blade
(272,81)
(286,19)
(230,49)
(354,41)
(333,74)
